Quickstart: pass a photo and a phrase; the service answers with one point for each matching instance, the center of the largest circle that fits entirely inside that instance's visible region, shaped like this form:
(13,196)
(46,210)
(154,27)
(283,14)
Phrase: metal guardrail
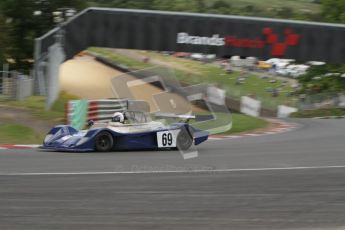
(5,84)
(15,86)
(104,109)
(77,112)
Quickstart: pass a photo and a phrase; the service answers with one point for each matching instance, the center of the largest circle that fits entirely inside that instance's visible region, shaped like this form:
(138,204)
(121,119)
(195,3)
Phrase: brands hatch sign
(267,38)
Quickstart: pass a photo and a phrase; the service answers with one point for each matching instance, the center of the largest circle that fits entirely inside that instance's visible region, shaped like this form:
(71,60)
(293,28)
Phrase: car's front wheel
(104,142)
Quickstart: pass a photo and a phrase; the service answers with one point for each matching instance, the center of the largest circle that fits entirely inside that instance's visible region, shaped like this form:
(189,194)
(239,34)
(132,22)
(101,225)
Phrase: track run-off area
(291,180)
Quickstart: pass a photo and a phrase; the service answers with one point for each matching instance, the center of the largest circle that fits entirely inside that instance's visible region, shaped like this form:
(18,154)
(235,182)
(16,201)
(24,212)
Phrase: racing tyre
(184,140)
(104,142)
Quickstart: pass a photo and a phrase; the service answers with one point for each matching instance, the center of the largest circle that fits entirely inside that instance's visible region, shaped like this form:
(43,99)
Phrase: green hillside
(270,5)
(288,9)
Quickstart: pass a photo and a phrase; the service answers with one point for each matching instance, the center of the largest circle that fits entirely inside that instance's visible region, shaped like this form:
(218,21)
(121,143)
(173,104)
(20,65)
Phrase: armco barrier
(95,110)
(104,109)
(77,112)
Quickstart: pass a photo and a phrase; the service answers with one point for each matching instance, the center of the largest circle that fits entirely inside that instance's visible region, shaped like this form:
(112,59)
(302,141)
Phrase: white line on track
(29,146)
(252,134)
(177,171)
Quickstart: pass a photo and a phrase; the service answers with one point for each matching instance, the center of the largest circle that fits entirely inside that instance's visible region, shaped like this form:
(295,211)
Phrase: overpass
(188,32)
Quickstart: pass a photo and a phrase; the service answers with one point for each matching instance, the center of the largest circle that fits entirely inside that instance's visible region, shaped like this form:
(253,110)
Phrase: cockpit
(135,117)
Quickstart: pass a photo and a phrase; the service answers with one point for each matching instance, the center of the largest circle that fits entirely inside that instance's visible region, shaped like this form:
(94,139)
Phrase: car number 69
(167,138)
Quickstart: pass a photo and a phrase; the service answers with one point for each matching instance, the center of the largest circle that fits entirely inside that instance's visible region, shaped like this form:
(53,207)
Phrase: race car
(132,130)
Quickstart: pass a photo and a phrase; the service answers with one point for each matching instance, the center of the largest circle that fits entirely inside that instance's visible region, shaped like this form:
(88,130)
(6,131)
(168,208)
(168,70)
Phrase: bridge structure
(183,32)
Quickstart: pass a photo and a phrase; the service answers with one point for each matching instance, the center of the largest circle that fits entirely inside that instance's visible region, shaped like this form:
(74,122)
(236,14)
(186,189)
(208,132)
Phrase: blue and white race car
(133,131)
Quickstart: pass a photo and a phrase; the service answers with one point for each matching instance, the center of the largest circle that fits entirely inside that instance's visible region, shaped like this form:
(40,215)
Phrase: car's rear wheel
(104,142)
(184,140)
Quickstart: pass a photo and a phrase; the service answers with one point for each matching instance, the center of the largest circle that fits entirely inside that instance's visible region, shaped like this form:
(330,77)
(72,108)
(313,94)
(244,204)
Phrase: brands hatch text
(216,40)
(267,37)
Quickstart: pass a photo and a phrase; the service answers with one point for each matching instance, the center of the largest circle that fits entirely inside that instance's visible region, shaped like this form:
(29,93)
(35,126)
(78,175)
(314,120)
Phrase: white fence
(253,108)
(24,87)
(6,85)
(216,95)
(250,106)
(285,111)
(15,86)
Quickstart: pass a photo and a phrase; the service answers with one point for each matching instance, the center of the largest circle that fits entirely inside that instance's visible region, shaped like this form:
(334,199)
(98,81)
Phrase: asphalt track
(293,180)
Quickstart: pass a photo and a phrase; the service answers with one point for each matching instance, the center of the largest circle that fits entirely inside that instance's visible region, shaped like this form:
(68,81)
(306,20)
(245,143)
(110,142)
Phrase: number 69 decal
(167,139)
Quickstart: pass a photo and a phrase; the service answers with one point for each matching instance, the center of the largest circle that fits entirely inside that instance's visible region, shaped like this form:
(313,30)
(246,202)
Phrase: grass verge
(36,104)
(12,132)
(319,113)
(15,133)
(240,123)
(126,61)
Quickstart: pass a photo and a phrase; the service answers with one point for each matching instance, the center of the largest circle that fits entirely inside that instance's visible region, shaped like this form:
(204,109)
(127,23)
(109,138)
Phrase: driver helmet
(118,117)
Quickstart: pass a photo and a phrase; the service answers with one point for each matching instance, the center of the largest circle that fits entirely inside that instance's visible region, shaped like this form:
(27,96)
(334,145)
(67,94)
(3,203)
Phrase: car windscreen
(137,117)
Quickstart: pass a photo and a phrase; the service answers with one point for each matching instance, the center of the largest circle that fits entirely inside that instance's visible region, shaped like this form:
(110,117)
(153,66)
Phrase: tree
(221,7)
(3,37)
(163,5)
(285,12)
(249,8)
(27,20)
(220,4)
(333,10)
(316,80)
(131,4)
(201,6)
